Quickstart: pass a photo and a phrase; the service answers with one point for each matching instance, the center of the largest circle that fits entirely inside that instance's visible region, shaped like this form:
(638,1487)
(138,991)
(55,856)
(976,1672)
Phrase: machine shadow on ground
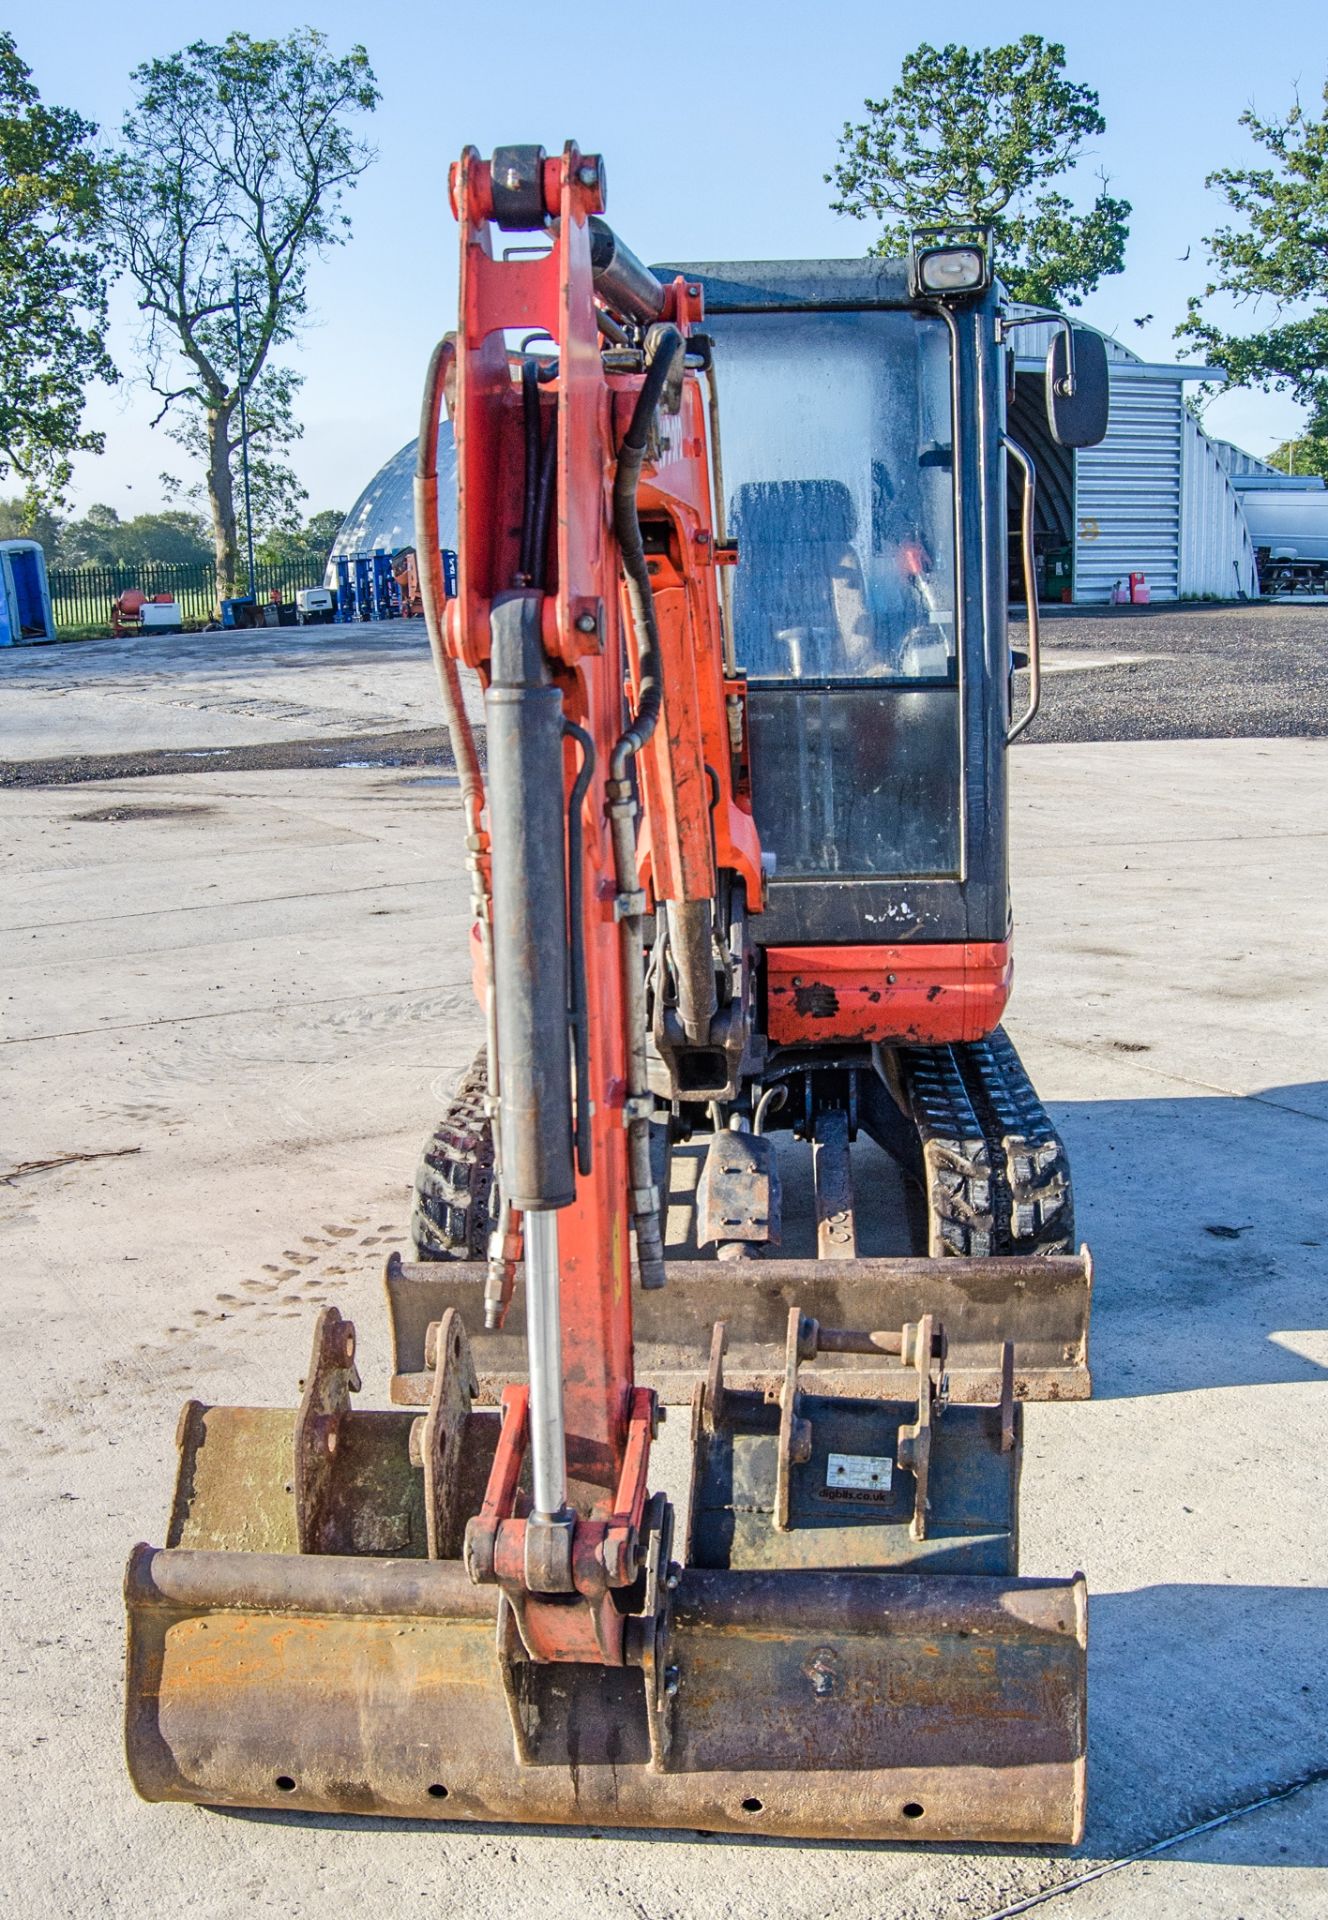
(1202,1698)
(1213,1212)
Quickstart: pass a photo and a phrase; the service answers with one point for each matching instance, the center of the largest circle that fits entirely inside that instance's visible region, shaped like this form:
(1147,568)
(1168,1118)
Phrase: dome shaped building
(383,518)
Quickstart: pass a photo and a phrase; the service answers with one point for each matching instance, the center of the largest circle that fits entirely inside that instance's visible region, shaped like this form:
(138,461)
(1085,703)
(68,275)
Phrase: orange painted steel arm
(695,817)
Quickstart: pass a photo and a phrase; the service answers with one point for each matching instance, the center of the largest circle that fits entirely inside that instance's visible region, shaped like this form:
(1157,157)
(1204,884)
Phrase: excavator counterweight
(730,572)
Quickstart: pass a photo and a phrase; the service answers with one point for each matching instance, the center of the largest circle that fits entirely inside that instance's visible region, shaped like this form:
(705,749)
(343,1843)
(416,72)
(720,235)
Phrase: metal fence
(81,597)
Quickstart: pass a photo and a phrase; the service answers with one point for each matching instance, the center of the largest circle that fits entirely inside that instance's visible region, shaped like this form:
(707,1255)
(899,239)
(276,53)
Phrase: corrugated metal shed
(1155,498)
(1127,494)
(1241,465)
(1217,553)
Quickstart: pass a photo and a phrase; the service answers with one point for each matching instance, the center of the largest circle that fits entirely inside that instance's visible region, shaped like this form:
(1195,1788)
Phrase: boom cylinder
(620,278)
(527,808)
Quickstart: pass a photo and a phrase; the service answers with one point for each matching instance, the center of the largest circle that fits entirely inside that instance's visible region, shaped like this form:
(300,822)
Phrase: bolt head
(586,623)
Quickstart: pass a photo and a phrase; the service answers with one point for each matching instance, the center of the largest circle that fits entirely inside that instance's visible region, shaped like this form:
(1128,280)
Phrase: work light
(951,270)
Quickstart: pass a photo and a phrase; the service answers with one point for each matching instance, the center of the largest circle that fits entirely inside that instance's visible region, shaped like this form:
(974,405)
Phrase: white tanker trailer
(1289,529)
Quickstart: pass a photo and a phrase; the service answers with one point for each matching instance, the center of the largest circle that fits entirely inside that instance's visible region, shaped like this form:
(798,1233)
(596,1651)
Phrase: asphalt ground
(1197,673)
(1115,673)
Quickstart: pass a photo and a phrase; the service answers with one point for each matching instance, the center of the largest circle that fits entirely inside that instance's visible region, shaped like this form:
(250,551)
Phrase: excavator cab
(844,608)
(738,861)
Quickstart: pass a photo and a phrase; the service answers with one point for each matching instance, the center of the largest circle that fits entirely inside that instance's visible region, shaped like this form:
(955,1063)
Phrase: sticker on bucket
(858,1472)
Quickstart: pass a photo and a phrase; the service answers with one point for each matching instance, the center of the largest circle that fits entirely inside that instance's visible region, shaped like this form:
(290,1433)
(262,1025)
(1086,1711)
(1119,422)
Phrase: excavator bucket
(1039,1303)
(310,1636)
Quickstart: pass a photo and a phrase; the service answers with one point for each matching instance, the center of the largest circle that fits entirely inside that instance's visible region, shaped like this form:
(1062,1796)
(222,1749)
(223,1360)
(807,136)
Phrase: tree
(1279,254)
(233,172)
(312,542)
(52,287)
(26,518)
(975,138)
(1305,455)
(102,539)
(275,495)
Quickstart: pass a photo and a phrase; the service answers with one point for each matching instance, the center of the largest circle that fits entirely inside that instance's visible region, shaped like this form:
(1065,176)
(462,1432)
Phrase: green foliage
(1306,455)
(233,170)
(311,542)
(27,518)
(976,137)
(102,539)
(52,288)
(1279,254)
(275,494)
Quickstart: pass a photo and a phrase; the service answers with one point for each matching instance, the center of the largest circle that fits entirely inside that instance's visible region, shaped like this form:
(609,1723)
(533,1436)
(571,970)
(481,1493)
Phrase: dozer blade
(809,1705)
(1039,1303)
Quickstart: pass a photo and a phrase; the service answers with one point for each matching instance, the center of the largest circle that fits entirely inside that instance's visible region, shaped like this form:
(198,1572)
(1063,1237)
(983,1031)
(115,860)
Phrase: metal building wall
(1128,492)
(1156,497)
(1240,464)
(1216,552)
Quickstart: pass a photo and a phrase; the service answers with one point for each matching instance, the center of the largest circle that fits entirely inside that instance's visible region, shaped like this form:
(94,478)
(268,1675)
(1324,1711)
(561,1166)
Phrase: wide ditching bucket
(1039,1303)
(310,1635)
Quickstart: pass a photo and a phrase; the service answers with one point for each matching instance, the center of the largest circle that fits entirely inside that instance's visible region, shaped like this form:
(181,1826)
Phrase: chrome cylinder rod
(548,1443)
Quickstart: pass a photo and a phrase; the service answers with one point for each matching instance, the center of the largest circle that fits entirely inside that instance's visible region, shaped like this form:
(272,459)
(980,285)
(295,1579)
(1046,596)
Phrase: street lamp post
(244,442)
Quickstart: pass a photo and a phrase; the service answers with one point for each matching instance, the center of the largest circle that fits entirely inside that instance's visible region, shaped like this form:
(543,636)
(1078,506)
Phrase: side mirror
(1078,410)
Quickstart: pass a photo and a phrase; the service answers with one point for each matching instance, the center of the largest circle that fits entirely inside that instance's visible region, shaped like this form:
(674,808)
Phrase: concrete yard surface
(215,690)
(232,1006)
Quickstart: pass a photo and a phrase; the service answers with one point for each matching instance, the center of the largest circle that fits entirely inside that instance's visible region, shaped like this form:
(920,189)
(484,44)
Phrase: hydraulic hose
(429,556)
(668,344)
(576,887)
(544,493)
(433,595)
(627,527)
(530,412)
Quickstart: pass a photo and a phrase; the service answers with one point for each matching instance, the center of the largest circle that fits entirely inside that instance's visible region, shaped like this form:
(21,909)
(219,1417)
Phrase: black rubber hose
(530,411)
(539,546)
(579,1010)
(627,527)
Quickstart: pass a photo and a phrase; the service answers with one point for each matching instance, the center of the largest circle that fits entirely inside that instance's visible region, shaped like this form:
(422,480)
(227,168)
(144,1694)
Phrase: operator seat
(799,600)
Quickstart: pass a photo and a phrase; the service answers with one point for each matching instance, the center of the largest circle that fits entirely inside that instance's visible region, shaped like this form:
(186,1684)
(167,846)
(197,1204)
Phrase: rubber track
(451,1212)
(996,1172)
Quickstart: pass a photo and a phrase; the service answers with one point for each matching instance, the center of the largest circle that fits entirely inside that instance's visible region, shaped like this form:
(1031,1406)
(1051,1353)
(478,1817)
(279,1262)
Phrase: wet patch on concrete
(108,816)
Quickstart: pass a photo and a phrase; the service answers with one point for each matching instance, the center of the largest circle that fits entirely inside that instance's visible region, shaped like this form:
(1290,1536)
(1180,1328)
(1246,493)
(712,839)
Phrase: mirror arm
(1005,325)
(1025,461)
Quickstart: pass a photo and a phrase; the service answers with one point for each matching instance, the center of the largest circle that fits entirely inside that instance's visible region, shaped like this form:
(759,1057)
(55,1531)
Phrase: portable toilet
(25,596)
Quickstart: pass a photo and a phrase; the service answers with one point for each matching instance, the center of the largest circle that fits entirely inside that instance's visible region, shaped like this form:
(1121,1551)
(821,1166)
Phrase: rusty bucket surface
(1039,1303)
(309,1636)
(862,1706)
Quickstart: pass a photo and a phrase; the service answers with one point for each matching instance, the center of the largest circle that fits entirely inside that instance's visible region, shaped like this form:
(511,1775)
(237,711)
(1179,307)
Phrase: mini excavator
(731,573)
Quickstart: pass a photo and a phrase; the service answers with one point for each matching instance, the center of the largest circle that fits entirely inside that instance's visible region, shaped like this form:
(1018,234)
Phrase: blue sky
(716,138)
